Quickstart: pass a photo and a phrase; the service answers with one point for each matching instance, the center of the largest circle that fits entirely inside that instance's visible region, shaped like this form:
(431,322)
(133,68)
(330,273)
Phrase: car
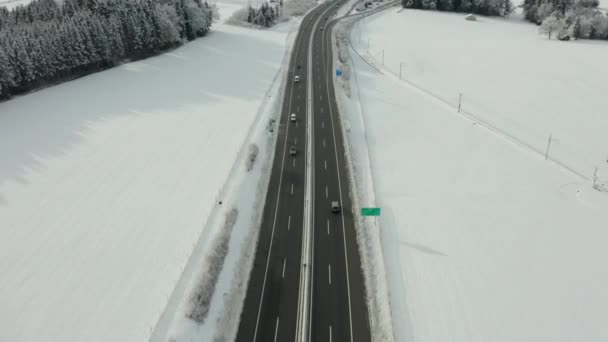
(292,117)
(292,150)
(321,28)
(335,206)
(296,79)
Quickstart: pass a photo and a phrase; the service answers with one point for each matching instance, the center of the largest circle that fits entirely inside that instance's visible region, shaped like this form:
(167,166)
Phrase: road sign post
(370,211)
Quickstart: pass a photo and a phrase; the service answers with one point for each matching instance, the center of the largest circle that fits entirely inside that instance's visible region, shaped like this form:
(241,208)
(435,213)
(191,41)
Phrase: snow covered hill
(106,183)
(482,238)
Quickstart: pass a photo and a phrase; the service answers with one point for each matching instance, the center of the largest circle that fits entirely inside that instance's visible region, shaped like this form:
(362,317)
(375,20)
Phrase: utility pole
(548,145)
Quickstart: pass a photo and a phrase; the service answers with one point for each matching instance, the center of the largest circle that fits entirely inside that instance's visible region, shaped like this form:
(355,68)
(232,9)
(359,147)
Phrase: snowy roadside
(245,190)
(361,180)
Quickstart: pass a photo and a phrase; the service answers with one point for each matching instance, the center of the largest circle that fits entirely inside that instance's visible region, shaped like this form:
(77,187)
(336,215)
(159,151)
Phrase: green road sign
(370,211)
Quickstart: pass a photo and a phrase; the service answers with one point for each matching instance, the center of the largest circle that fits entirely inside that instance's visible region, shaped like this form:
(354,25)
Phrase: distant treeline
(568,18)
(264,15)
(46,42)
(485,7)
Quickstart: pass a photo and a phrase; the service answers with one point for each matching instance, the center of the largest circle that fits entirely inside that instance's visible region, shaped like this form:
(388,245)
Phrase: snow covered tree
(551,25)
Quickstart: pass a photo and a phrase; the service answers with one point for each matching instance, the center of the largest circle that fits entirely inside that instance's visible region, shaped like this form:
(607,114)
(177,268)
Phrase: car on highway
(335,206)
(292,117)
(296,79)
(292,150)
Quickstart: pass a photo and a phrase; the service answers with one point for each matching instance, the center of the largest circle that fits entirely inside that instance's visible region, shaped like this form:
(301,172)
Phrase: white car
(296,78)
(292,117)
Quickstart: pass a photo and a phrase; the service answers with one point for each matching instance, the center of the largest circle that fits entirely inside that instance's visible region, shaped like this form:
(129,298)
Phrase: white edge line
(276,330)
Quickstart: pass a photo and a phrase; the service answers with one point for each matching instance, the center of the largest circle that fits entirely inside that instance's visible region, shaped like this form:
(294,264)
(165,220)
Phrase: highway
(336,305)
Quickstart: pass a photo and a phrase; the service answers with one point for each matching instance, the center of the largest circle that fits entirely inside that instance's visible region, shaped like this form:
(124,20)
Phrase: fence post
(459,102)
(548,145)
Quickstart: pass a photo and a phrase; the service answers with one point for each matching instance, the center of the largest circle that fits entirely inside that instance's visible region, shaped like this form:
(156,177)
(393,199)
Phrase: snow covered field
(10,4)
(106,183)
(509,76)
(482,238)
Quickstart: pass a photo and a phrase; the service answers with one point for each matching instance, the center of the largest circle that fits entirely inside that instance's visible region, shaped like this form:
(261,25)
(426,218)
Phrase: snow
(502,74)
(10,4)
(483,240)
(106,184)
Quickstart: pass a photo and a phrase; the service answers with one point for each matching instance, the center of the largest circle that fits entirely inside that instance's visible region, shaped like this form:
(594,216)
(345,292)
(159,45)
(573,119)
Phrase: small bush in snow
(200,299)
(252,155)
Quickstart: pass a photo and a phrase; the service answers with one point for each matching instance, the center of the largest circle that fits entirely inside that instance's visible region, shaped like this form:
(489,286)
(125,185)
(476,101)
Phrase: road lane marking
(298,109)
(327,226)
(330,333)
(291,189)
(329,271)
(323,142)
(322,123)
(326,192)
(321,109)
(321,97)
(296,124)
(294,161)
(326,165)
(295,141)
(276,330)
(288,222)
(284,262)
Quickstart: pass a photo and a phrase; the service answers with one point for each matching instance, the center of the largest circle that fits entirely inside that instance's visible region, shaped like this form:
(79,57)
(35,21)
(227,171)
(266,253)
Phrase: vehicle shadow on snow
(194,78)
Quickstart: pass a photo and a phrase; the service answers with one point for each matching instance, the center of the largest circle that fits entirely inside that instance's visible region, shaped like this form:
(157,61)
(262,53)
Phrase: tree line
(264,15)
(484,7)
(567,19)
(46,42)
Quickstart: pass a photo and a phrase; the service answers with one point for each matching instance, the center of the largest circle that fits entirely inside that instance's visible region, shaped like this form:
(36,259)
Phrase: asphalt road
(338,308)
